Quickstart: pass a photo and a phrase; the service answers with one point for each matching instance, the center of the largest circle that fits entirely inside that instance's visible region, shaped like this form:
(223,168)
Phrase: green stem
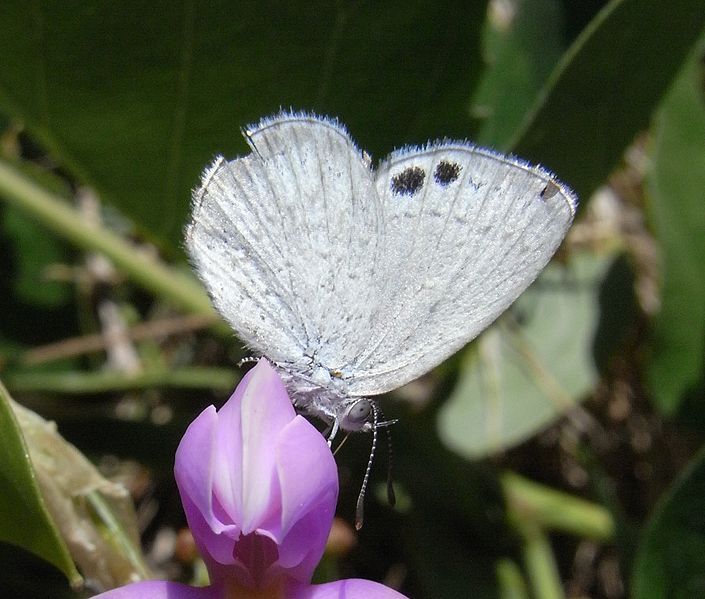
(554,510)
(540,562)
(56,214)
(510,580)
(221,379)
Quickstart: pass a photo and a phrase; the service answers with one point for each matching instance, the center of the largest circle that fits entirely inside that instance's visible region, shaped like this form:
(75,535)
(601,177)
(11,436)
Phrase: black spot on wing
(549,191)
(409,181)
(446,173)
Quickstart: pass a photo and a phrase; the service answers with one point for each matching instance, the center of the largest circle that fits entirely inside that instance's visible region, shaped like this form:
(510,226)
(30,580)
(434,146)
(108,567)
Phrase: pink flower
(259,487)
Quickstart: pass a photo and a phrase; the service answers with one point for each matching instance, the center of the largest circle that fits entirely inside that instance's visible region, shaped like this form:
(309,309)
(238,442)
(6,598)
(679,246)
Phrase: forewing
(286,239)
(466,232)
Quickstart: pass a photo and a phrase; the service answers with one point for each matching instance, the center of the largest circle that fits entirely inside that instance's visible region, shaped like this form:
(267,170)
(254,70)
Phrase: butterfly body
(355,280)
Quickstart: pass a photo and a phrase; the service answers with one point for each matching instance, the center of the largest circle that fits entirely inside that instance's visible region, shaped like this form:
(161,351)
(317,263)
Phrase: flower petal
(193,464)
(194,471)
(306,470)
(258,484)
(266,410)
(227,458)
(216,549)
(308,478)
(352,588)
(160,589)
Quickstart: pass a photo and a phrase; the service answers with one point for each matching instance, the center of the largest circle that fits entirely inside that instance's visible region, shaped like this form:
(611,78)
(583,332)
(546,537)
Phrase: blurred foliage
(535,365)
(676,193)
(136,100)
(26,520)
(111,110)
(671,558)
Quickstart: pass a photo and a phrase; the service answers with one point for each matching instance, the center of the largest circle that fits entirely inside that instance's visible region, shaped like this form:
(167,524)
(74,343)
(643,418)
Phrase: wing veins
(251,248)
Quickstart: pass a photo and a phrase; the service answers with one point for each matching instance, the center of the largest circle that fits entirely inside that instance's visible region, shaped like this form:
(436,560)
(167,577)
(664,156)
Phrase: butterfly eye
(359,412)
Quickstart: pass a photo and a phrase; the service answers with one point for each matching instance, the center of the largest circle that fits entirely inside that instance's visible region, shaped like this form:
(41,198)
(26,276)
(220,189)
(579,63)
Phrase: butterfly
(354,279)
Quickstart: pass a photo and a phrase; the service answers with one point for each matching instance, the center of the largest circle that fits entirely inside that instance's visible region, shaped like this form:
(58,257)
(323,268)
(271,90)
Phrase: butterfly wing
(466,231)
(286,241)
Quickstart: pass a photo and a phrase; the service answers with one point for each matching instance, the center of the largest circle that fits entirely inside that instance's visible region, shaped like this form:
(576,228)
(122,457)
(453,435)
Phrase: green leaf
(670,560)
(522,48)
(518,379)
(95,517)
(676,186)
(34,253)
(605,88)
(24,519)
(135,100)
(452,502)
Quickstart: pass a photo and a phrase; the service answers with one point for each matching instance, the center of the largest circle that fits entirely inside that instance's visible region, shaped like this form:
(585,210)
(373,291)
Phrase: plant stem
(539,562)
(510,579)
(194,377)
(554,510)
(532,510)
(55,213)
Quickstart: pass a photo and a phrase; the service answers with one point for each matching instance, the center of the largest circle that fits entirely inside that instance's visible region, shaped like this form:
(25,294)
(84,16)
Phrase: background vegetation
(558,455)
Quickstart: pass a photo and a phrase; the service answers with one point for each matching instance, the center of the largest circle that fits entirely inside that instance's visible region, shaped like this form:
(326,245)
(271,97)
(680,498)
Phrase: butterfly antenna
(360,508)
(391,497)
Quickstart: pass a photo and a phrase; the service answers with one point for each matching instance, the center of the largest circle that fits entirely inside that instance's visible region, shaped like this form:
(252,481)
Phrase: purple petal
(266,411)
(225,464)
(307,471)
(227,458)
(258,484)
(352,588)
(193,468)
(160,589)
(309,482)
(194,472)
(215,549)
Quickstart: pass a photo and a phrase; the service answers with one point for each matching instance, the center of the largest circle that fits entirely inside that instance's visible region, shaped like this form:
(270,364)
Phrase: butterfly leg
(333,432)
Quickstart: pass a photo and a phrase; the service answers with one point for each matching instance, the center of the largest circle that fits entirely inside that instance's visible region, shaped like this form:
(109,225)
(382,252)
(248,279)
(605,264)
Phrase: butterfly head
(322,392)
(356,414)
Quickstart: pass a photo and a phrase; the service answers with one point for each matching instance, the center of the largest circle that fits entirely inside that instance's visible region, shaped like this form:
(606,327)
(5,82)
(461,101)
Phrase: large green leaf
(448,502)
(671,558)
(606,86)
(136,99)
(523,42)
(518,378)
(56,504)
(95,516)
(677,214)
(24,519)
